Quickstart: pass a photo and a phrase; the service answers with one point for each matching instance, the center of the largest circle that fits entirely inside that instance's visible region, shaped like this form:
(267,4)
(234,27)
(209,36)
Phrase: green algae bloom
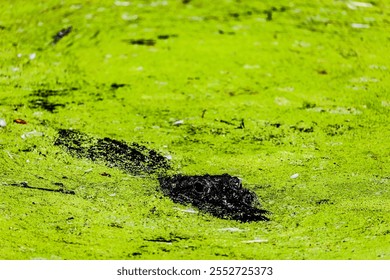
(290,96)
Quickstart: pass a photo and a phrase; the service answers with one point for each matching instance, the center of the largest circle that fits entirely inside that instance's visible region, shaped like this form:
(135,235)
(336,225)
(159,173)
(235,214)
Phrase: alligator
(222,196)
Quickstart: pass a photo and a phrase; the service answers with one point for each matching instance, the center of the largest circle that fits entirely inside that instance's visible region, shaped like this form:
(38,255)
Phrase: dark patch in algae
(27,186)
(61,34)
(133,158)
(44,104)
(116,85)
(220,195)
(142,42)
(41,99)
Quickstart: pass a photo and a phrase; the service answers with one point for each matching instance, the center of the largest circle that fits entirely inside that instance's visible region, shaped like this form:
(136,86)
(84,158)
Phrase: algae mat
(292,98)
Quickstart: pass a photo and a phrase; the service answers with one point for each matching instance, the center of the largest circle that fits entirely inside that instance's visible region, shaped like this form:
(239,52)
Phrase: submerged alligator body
(219,195)
(131,158)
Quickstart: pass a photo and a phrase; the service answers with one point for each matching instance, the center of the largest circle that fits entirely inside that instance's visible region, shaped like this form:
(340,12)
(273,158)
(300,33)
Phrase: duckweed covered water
(259,90)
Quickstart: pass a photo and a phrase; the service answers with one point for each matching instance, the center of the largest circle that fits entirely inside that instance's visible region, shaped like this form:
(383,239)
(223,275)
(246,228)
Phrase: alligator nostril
(198,187)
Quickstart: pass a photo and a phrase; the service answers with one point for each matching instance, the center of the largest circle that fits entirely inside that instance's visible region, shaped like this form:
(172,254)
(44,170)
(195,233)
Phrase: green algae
(309,81)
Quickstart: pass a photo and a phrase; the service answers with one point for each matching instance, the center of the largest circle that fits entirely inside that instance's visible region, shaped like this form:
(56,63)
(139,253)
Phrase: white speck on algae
(33,133)
(294,176)
(188,210)
(128,17)
(360,25)
(3,123)
(179,122)
(233,229)
(122,3)
(255,241)
(353,5)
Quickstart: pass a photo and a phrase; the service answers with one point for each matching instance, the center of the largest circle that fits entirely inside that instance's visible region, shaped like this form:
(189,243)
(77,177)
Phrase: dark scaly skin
(220,195)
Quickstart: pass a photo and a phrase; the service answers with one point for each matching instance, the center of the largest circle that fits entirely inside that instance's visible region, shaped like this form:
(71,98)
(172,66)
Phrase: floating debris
(256,241)
(33,133)
(89,170)
(385,103)
(27,186)
(144,42)
(234,229)
(3,123)
(179,122)
(376,67)
(322,72)
(337,110)
(173,238)
(364,80)
(166,36)
(324,201)
(249,67)
(353,5)
(294,176)
(128,17)
(188,210)
(158,3)
(360,25)
(282,101)
(345,111)
(220,195)
(20,121)
(61,34)
(116,85)
(122,3)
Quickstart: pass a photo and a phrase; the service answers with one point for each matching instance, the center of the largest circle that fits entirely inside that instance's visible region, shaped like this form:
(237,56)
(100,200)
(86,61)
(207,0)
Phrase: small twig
(25,185)
(229,123)
(61,34)
(242,124)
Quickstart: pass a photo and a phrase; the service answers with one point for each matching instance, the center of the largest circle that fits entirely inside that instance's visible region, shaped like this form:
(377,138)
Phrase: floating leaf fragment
(20,121)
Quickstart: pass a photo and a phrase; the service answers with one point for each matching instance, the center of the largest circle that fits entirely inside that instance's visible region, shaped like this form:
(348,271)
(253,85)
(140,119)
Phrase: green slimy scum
(260,90)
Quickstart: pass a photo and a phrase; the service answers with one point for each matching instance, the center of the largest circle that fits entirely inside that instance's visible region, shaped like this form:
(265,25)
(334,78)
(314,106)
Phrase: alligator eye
(247,199)
(198,187)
